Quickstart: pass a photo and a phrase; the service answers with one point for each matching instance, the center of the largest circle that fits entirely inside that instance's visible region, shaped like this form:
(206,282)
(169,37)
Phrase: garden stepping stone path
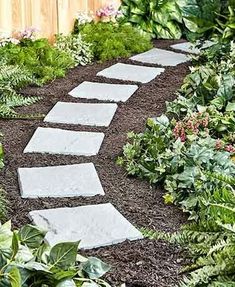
(104,92)
(95,225)
(58,141)
(60,181)
(82,114)
(161,57)
(134,73)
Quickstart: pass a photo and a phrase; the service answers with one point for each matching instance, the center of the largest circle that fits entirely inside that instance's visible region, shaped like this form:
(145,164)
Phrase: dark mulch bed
(141,263)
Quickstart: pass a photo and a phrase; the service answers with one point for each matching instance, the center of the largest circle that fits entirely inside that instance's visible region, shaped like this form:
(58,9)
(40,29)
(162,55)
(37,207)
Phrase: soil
(141,263)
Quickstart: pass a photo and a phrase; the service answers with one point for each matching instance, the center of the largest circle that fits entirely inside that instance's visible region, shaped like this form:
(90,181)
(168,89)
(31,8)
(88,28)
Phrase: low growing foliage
(26,260)
(191,150)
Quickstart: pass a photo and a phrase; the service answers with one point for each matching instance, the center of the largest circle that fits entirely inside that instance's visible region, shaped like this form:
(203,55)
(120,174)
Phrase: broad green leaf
(60,275)
(24,254)
(31,236)
(14,277)
(15,245)
(95,268)
(162,121)
(63,255)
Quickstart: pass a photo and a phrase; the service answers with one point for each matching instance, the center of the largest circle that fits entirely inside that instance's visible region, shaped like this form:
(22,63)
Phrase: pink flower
(28,33)
(182,135)
(108,11)
(230,148)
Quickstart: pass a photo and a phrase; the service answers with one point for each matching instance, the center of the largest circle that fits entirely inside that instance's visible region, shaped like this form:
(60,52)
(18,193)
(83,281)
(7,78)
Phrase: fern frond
(11,78)
(229,180)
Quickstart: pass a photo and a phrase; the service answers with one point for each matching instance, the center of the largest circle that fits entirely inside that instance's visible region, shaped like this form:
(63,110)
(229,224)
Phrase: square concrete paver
(128,72)
(82,114)
(161,57)
(95,225)
(186,47)
(191,47)
(57,141)
(104,92)
(60,181)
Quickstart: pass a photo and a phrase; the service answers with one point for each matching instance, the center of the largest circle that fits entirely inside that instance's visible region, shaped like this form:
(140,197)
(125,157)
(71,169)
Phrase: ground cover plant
(26,260)
(191,151)
(112,39)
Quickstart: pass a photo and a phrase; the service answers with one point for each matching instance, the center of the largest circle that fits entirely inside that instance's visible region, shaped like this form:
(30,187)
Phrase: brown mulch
(141,263)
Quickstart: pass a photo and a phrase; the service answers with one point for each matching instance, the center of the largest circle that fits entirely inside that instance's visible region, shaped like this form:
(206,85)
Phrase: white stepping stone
(161,57)
(82,114)
(60,181)
(104,92)
(131,73)
(95,225)
(57,141)
(191,48)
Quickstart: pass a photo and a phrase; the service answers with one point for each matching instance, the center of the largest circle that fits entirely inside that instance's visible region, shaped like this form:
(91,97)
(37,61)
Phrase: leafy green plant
(161,18)
(210,242)
(210,84)
(26,260)
(38,57)
(113,40)
(200,16)
(12,78)
(73,44)
(209,18)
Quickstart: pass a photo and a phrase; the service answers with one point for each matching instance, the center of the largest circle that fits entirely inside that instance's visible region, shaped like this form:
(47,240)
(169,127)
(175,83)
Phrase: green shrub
(42,60)
(26,260)
(74,45)
(170,19)
(112,40)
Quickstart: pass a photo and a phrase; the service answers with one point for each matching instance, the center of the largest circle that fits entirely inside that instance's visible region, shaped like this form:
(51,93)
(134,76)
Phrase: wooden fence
(49,16)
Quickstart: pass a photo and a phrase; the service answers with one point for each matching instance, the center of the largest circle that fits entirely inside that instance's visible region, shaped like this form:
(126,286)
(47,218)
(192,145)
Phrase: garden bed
(142,263)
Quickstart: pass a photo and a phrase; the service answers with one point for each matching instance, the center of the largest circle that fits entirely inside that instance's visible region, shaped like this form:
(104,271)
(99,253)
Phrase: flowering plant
(28,33)
(193,125)
(108,12)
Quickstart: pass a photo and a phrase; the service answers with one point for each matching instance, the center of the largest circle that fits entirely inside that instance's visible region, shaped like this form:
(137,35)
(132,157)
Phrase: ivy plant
(26,261)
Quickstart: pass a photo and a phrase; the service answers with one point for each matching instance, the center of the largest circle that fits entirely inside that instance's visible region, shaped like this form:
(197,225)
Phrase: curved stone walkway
(95,225)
